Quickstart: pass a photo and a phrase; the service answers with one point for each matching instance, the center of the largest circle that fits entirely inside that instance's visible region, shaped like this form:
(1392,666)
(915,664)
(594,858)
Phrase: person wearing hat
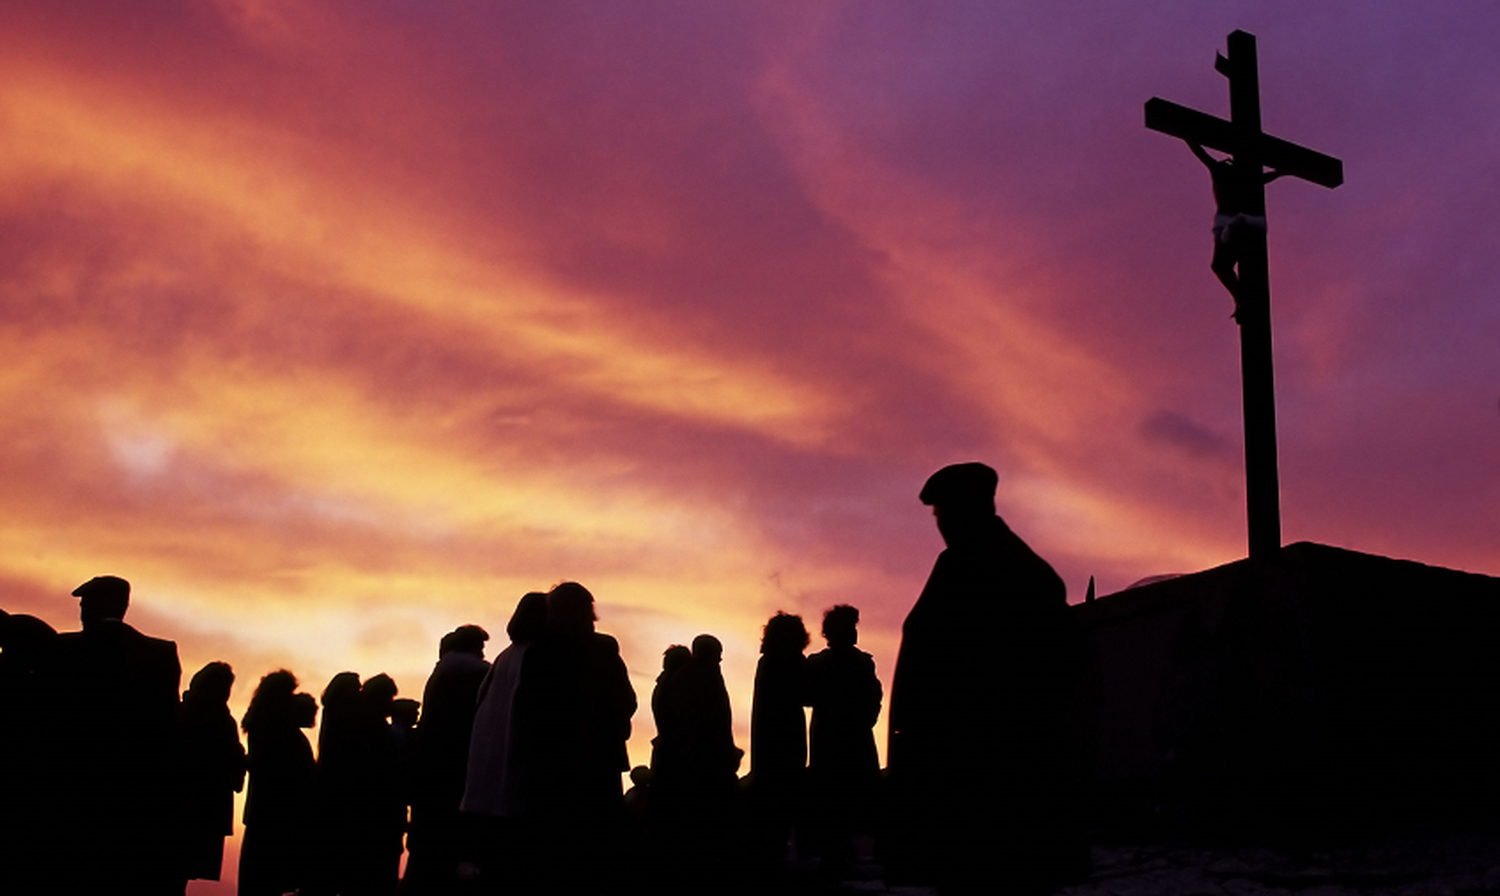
(979,701)
(117,727)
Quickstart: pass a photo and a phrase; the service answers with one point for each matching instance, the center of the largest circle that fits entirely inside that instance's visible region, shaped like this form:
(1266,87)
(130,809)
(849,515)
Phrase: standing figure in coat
(213,764)
(984,680)
(275,850)
(442,758)
(379,822)
(334,852)
(117,704)
(582,707)
(778,736)
(713,759)
(496,805)
(669,746)
(696,806)
(845,695)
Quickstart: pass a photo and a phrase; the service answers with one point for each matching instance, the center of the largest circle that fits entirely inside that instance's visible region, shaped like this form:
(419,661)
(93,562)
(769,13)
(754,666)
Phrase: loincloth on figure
(1227,227)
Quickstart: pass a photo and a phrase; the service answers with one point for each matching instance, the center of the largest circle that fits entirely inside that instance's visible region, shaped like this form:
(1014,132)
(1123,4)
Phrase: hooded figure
(335,851)
(493,781)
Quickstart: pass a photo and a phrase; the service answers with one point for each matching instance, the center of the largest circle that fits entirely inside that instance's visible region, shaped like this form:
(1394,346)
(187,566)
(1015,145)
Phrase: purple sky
(335,325)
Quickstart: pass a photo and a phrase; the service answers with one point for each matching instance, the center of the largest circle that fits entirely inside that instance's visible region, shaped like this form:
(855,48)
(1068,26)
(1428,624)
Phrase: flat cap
(970,483)
(103,586)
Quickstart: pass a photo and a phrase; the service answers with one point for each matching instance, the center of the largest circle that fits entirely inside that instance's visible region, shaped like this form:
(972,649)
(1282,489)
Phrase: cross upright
(1253,152)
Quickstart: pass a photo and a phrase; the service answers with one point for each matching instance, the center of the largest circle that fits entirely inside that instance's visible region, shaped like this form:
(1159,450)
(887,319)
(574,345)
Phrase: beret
(969,483)
(103,586)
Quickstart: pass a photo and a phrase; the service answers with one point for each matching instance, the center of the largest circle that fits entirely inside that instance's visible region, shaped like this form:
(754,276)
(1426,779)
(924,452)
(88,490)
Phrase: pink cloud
(365,323)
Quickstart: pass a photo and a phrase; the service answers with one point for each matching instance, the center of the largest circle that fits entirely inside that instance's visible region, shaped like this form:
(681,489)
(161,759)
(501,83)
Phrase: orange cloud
(251,183)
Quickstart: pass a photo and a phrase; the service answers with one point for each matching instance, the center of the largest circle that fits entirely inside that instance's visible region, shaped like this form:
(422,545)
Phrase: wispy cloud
(334,328)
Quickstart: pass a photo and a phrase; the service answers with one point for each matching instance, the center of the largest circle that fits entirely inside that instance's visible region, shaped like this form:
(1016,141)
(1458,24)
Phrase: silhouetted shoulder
(162,651)
(830,657)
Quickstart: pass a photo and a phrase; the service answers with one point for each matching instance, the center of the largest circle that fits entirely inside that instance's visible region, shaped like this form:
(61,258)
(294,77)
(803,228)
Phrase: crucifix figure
(1240,253)
(1232,217)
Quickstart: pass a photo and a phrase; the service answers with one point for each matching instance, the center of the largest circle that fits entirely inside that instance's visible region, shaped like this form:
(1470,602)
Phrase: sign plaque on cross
(1252,152)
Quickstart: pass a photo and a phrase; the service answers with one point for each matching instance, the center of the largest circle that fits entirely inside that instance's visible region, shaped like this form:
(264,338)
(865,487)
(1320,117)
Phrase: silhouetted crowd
(507,776)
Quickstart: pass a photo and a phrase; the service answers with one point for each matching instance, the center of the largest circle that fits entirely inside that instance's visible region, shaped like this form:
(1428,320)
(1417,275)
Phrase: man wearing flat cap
(118,709)
(983,685)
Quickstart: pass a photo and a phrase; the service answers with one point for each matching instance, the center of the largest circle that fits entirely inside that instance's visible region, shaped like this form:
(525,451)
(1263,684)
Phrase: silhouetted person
(638,804)
(978,743)
(28,646)
(696,804)
(335,851)
(640,865)
(493,783)
(778,734)
(669,748)
(379,820)
(274,853)
(845,695)
(449,701)
(713,760)
(405,714)
(117,743)
(29,772)
(582,716)
(213,765)
(496,801)
(1232,217)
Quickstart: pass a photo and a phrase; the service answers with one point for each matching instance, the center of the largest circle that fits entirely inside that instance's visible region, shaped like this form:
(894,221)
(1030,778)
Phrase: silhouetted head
(378,693)
(271,701)
(529,621)
(22,629)
(640,776)
(784,633)
(211,684)
(304,710)
(707,649)
(962,498)
(570,609)
(464,639)
(25,639)
(674,658)
(102,598)
(404,712)
(342,690)
(841,626)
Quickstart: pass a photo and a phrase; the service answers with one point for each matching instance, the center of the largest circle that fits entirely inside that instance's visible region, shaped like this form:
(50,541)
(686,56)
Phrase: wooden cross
(1253,152)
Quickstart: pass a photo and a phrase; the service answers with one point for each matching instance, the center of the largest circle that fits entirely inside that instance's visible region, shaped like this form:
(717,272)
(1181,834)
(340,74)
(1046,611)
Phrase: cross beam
(1216,133)
(1253,152)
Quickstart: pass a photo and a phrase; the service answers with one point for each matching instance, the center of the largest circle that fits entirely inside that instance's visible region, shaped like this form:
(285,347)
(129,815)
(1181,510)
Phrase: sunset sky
(334,325)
